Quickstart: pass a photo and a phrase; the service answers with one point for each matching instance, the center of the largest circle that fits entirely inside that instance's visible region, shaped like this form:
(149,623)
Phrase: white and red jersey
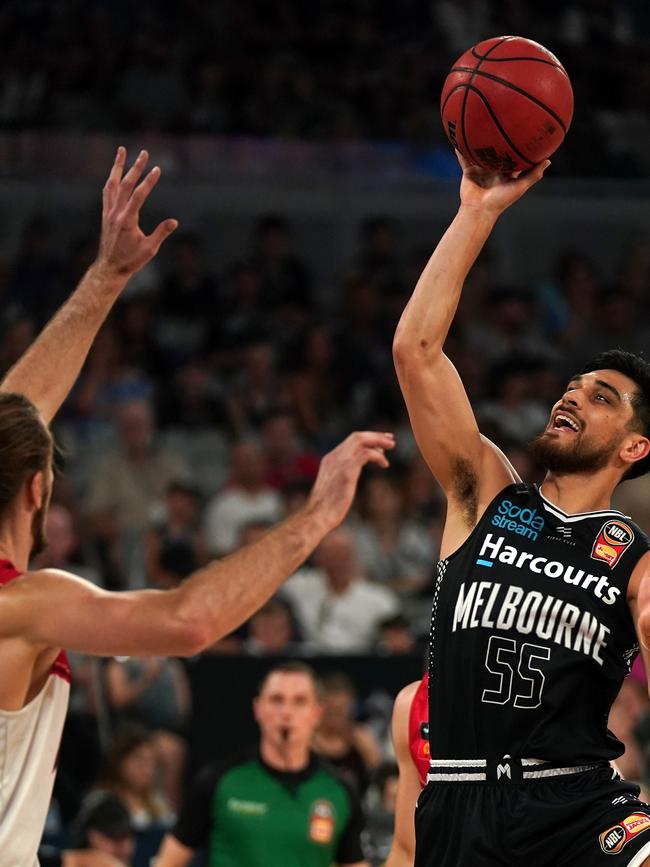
(29,745)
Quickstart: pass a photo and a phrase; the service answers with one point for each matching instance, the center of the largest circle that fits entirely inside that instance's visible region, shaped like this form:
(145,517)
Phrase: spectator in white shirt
(245,500)
(337,608)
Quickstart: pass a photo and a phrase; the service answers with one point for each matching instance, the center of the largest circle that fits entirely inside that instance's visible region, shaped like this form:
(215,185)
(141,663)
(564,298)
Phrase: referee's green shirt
(248,814)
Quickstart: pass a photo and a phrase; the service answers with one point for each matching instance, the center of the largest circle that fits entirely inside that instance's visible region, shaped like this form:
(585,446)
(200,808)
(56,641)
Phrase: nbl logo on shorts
(613,540)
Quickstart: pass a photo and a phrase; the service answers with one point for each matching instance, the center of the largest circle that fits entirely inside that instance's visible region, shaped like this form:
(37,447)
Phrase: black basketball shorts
(588,819)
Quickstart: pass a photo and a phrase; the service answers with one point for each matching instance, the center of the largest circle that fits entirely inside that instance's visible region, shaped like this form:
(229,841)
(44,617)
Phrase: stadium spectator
(62,546)
(395,636)
(130,774)
(393,550)
(381,814)
(272,631)
(128,484)
(104,825)
(194,400)
(287,462)
(245,499)
(155,693)
(175,546)
(316,384)
(187,293)
(285,282)
(337,607)
(347,744)
(255,389)
(512,408)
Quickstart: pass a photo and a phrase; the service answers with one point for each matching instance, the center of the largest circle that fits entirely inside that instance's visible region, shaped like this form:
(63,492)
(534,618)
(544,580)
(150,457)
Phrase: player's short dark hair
(292,666)
(636,368)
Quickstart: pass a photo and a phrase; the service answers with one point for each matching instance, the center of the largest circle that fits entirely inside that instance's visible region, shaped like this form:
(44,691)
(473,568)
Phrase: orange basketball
(507,104)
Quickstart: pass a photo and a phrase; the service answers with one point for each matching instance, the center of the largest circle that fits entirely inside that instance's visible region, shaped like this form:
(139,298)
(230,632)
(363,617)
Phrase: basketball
(507,104)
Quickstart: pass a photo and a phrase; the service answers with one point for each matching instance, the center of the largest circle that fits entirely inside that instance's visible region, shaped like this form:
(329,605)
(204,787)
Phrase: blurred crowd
(338,71)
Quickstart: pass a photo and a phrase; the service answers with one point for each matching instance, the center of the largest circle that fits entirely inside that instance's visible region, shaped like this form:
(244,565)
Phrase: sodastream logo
(524,522)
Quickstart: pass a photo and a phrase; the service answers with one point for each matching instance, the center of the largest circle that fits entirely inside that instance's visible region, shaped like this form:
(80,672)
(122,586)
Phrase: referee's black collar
(291,779)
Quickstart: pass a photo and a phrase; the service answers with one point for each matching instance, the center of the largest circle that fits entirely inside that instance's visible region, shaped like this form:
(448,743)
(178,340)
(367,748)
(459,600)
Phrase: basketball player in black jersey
(542,594)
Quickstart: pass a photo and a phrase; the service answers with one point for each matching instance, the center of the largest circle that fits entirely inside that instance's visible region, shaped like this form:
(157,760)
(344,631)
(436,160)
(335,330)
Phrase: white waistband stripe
(556,772)
(441,769)
(455,778)
(457,763)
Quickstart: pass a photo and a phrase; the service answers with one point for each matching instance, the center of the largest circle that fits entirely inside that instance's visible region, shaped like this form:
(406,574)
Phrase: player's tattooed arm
(49,368)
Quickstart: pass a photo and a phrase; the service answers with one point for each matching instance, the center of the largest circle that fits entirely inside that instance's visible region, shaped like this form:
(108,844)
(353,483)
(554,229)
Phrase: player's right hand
(123,246)
(494,192)
(339,472)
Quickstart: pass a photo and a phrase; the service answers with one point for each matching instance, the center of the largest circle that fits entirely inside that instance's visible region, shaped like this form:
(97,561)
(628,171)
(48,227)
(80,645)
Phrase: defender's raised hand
(49,368)
(339,472)
(123,246)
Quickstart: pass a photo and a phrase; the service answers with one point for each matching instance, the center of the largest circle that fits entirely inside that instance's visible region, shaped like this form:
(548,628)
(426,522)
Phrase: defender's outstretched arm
(54,609)
(49,368)
(440,412)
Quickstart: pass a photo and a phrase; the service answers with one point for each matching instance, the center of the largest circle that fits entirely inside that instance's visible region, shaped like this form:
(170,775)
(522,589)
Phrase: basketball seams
(475,71)
(492,47)
(498,125)
(514,87)
(508,59)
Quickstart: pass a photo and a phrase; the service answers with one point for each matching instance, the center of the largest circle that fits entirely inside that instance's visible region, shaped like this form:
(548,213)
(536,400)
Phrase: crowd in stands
(339,71)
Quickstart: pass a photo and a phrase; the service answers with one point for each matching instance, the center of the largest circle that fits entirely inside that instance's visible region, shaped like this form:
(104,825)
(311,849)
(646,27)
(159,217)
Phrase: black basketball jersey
(531,633)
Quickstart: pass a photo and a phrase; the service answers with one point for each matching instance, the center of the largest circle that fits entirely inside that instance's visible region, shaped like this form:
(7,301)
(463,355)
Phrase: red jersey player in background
(411,741)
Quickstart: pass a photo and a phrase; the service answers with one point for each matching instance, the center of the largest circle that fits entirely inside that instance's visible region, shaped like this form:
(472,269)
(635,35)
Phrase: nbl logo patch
(612,840)
(615,838)
(613,540)
(321,822)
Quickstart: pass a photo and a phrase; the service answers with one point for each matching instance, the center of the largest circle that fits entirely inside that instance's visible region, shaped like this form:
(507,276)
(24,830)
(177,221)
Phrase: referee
(280,806)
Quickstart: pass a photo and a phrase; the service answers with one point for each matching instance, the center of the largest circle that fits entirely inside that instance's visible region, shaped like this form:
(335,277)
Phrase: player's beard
(579,457)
